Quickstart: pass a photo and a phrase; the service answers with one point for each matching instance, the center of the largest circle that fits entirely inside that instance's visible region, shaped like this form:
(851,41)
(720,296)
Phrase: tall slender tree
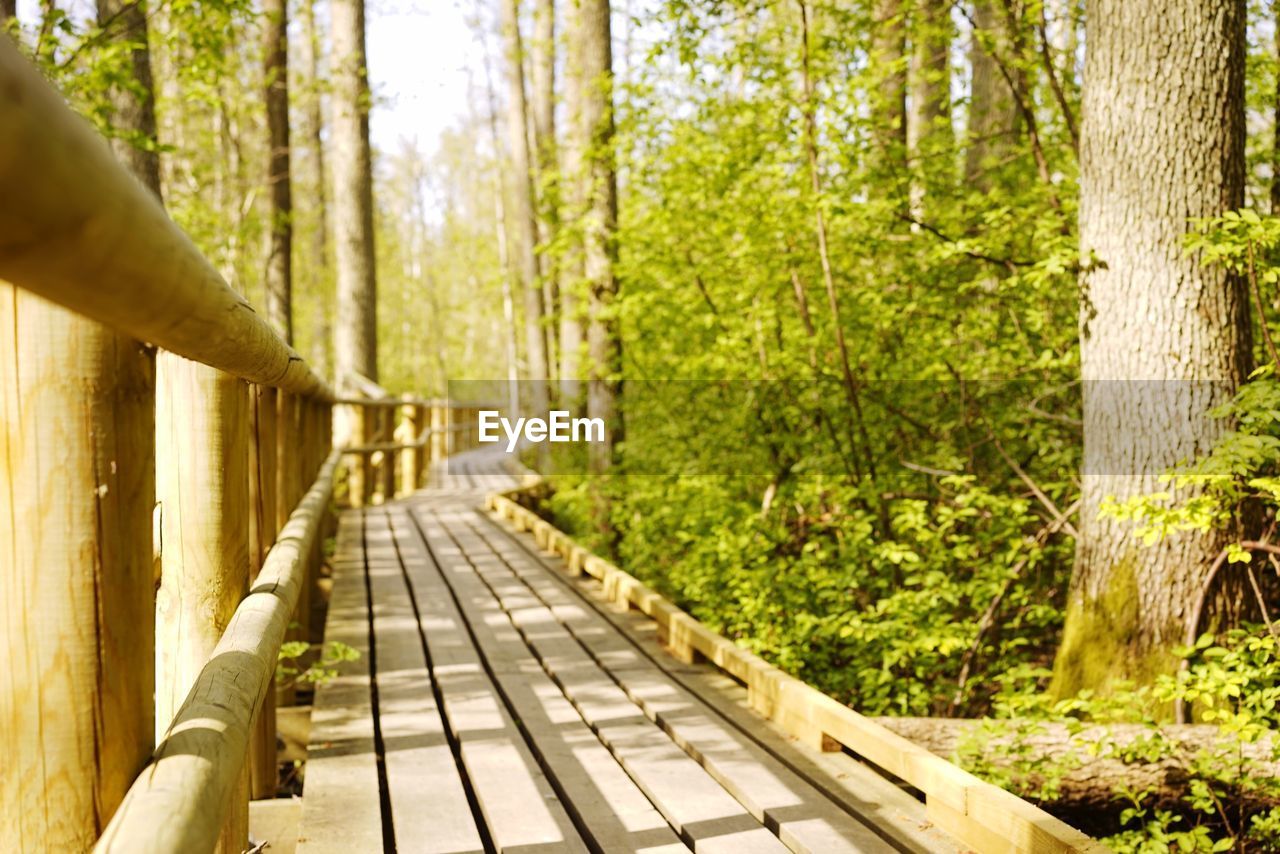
(524,232)
(888,51)
(929,135)
(992,115)
(1163,338)
(543,55)
(279,273)
(595,146)
(355,339)
(312,177)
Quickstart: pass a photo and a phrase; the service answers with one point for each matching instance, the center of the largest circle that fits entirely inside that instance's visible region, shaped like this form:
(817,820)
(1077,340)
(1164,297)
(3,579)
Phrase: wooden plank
(520,808)
(896,814)
(806,820)
(428,802)
(340,805)
(820,720)
(690,799)
(617,815)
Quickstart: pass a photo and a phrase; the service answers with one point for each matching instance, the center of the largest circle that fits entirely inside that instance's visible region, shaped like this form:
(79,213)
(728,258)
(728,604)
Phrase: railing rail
(178,802)
(396,441)
(77,229)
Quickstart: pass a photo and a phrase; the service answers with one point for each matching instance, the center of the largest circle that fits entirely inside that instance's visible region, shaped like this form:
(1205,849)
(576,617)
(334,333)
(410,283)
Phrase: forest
(934,339)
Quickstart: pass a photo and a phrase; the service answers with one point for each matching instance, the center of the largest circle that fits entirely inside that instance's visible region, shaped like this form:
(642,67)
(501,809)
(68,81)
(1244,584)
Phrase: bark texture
(524,243)
(279,274)
(356,333)
(1163,339)
(993,113)
(133,107)
(600,222)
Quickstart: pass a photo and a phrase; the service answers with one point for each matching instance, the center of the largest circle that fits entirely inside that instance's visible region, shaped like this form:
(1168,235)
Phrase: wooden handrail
(178,802)
(77,229)
(978,813)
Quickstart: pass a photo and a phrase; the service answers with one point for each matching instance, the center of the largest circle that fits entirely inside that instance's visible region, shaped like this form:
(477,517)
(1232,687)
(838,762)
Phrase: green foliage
(1233,682)
(325,666)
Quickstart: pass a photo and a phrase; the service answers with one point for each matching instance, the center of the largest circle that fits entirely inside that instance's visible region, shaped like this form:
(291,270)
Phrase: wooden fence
(166,481)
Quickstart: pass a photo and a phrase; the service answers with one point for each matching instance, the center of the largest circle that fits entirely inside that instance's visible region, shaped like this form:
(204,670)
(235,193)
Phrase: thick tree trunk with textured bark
(522,217)
(279,273)
(888,49)
(1163,339)
(8,10)
(993,113)
(356,333)
(600,212)
(929,135)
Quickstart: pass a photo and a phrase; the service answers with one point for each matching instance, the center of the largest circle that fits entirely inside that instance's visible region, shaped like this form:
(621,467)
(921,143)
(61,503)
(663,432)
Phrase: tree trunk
(993,114)
(595,147)
(279,273)
(524,218)
(929,123)
(133,107)
(544,135)
(313,180)
(1163,339)
(8,10)
(1090,781)
(1275,114)
(572,334)
(888,48)
(356,333)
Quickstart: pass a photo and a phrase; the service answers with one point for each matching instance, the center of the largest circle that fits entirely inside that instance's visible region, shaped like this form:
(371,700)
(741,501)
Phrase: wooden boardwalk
(500,704)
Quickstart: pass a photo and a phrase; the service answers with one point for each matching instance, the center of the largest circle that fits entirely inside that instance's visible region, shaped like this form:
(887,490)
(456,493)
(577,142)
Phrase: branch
(1008,263)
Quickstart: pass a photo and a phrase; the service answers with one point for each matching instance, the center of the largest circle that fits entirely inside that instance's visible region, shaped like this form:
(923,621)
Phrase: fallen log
(1090,760)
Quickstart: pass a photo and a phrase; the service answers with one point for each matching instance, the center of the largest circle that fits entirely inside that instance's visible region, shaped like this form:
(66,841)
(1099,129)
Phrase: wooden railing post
(264,769)
(202,483)
(439,438)
(411,426)
(369,432)
(419,453)
(357,474)
(77,489)
(387,418)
